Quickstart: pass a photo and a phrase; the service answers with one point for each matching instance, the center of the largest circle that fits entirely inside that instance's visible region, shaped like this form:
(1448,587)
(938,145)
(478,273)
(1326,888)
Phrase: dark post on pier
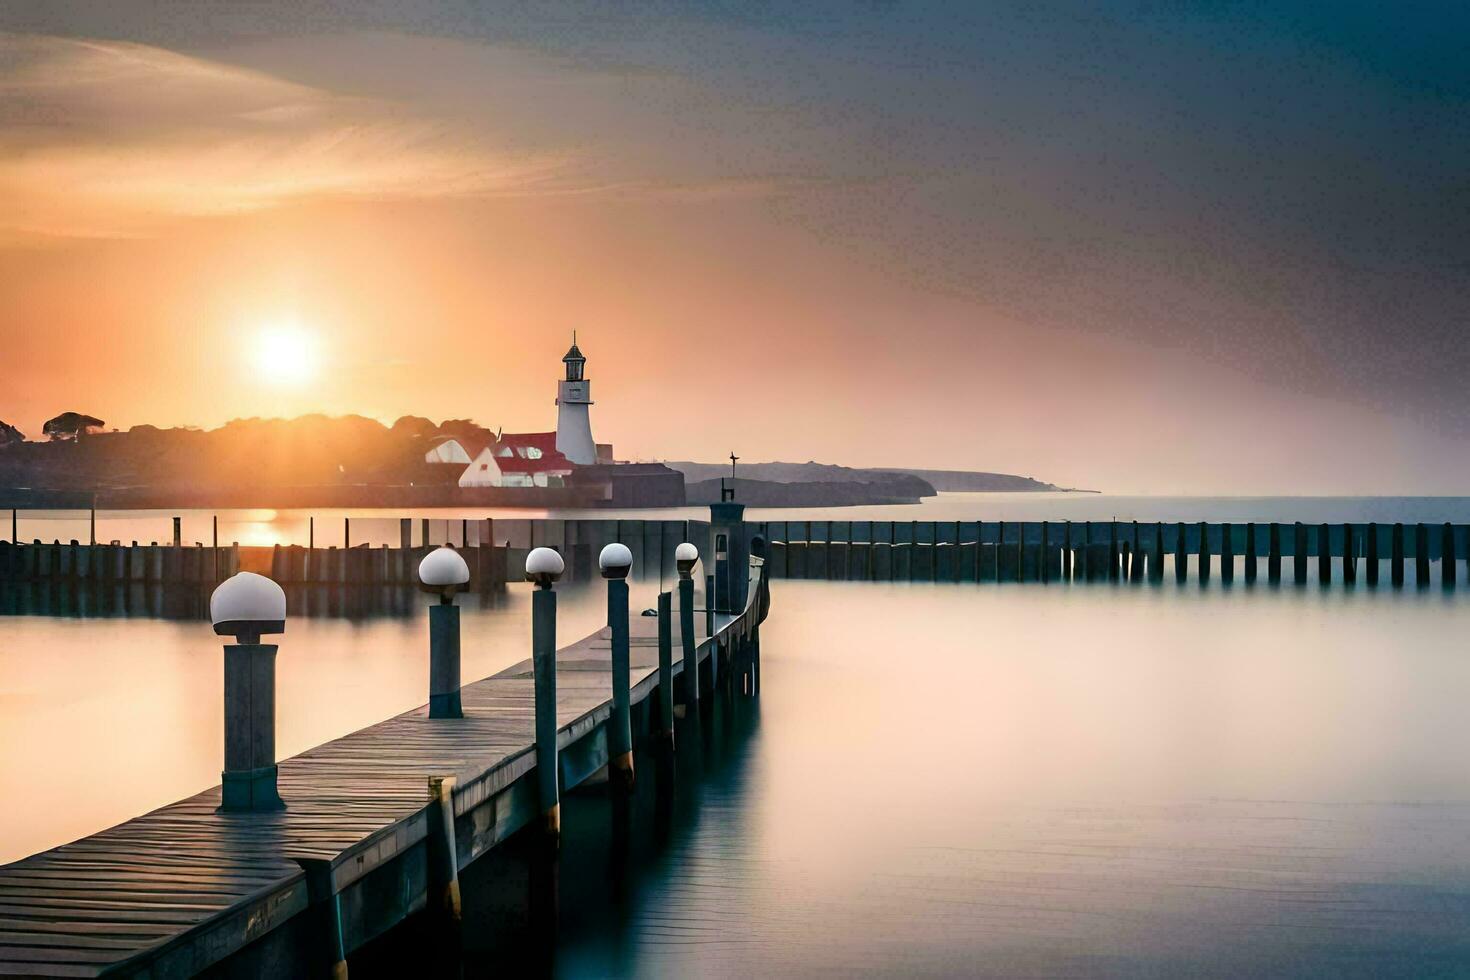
(443,572)
(1370,557)
(247,607)
(543,567)
(665,731)
(1273,554)
(1181,554)
(615,561)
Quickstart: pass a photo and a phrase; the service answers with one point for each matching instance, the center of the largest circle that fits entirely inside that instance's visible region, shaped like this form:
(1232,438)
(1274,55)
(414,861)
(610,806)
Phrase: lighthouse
(573,398)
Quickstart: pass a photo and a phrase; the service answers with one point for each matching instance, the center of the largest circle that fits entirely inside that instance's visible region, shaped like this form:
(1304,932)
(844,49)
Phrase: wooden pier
(376,826)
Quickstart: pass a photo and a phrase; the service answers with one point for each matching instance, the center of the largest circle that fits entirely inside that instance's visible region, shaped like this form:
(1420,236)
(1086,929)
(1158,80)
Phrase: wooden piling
(620,728)
(1349,556)
(1447,570)
(1204,553)
(1273,554)
(444,670)
(1045,552)
(1421,555)
(1067,555)
(1250,553)
(1227,553)
(1137,570)
(1324,554)
(665,728)
(1000,540)
(543,666)
(1181,555)
(1299,553)
(1370,556)
(1021,551)
(1396,556)
(444,852)
(689,647)
(1156,556)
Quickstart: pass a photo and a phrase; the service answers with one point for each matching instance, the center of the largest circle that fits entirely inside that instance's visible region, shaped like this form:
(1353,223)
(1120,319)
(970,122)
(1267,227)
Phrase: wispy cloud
(107,138)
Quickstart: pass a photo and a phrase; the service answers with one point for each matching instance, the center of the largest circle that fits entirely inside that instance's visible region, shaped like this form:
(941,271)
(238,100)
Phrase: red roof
(553,461)
(544,441)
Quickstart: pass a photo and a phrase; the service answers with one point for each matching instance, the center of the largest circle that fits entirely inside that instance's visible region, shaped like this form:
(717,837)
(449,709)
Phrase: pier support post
(1181,555)
(444,852)
(1066,551)
(1227,554)
(1045,551)
(1349,556)
(1113,553)
(1273,554)
(444,670)
(1447,569)
(1204,553)
(1156,555)
(443,572)
(1421,554)
(614,562)
(1324,554)
(727,522)
(666,667)
(709,605)
(543,567)
(1250,553)
(246,607)
(248,781)
(326,904)
(1299,553)
(1396,556)
(685,557)
(1370,555)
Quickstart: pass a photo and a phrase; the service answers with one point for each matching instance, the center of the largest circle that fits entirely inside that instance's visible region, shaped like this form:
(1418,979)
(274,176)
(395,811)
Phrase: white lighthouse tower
(573,397)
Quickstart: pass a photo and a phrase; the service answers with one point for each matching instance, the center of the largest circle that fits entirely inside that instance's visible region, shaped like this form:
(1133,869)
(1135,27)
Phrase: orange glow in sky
(888,252)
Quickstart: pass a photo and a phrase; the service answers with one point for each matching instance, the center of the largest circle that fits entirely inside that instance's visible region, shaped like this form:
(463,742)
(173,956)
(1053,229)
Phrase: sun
(285,353)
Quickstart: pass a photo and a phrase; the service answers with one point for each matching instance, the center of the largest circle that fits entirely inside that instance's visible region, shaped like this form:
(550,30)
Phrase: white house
(501,466)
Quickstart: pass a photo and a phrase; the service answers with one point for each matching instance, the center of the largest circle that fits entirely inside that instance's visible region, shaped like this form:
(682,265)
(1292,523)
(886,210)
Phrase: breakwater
(907,551)
(1055,551)
(494,550)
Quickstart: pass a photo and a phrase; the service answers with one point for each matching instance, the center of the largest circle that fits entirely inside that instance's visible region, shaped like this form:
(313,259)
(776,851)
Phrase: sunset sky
(1143,247)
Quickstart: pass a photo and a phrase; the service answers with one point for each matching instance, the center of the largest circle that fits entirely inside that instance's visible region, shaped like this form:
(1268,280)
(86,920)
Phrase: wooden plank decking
(178,889)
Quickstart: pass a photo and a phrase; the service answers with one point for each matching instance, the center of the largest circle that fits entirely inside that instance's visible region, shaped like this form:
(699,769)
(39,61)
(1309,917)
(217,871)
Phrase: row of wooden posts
(1066,551)
(117,563)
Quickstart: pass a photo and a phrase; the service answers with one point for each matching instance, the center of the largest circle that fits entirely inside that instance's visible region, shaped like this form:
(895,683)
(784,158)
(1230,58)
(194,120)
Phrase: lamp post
(443,572)
(685,558)
(615,560)
(543,567)
(248,606)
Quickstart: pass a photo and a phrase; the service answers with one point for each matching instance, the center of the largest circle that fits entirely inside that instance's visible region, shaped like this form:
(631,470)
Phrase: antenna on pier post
(728,492)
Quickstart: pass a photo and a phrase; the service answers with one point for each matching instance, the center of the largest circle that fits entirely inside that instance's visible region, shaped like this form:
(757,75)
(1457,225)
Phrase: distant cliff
(768,493)
(965,481)
(879,480)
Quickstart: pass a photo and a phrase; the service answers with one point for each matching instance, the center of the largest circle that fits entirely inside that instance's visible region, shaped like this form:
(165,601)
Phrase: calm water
(1084,780)
(377,527)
